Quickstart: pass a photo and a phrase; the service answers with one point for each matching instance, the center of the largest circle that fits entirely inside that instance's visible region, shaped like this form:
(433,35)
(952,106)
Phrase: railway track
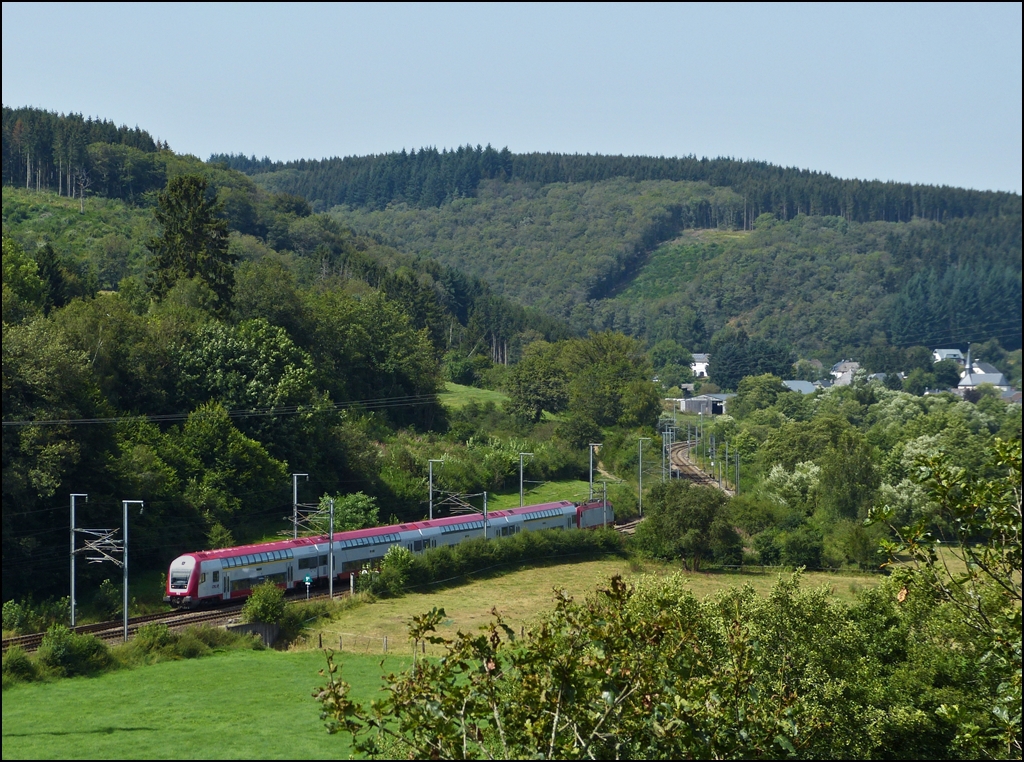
(628,527)
(113,631)
(686,469)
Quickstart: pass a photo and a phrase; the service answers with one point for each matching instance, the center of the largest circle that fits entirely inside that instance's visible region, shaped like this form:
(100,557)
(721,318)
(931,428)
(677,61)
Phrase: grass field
(457,395)
(548,492)
(246,704)
(237,705)
(522,595)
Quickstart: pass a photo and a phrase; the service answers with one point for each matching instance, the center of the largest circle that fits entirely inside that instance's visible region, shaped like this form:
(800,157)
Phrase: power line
(379,403)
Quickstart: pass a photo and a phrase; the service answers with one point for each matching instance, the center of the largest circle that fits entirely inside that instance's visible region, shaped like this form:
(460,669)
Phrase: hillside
(553,246)
(632,257)
(680,248)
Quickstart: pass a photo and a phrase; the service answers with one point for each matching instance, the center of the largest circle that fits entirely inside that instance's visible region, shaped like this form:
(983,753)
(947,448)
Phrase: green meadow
(236,705)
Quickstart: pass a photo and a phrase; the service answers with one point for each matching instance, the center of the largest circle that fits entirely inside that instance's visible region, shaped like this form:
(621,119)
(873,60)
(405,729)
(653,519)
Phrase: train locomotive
(211,576)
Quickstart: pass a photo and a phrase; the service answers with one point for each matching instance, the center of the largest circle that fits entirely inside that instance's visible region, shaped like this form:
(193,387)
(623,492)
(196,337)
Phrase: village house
(699,366)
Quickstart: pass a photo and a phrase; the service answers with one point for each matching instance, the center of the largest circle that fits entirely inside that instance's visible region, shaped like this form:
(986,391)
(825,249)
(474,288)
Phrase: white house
(938,355)
(843,372)
(699,366)
(977,373)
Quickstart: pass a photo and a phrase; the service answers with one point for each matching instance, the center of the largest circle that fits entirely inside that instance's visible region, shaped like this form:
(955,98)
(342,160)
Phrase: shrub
(17,666)
(15,617)
(394,572)
(802,547)
(218,637)
(151,637)
(70,654)
(108,599)
(447,562)
(299,615)
(26,616)
(189,646)
(266,604)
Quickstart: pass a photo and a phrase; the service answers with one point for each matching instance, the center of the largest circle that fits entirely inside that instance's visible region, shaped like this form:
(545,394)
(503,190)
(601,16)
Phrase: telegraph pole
(430,479)
(73,496)
(604,505)
(124,559)
(664,453)
(737,472)
(520,483)
(330,545)
(295,504)
(640,471)
(592,446)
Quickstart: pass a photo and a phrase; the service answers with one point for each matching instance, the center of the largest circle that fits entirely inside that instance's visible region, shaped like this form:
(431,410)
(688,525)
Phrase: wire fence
(351,642)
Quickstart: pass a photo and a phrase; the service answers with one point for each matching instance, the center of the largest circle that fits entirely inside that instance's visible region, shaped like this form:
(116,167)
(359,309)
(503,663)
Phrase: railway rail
(113,631)
(683,466)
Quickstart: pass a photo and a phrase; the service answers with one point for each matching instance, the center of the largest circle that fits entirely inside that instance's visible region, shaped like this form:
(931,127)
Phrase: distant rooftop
(804,387)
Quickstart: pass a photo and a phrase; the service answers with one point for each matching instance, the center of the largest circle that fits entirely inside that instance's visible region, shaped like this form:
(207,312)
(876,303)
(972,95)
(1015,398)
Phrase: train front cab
(595,513)
(182,581)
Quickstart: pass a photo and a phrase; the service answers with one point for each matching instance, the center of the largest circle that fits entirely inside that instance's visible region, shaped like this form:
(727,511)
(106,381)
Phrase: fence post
(340,643)
(321,636)
(385,644)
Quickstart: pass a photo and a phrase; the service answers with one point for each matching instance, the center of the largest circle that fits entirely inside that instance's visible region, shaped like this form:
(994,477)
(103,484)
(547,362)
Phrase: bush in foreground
(68,654)
(266,604)
(653,672)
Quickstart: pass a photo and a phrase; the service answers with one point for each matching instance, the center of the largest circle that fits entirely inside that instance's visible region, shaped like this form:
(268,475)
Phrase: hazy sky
(897,92)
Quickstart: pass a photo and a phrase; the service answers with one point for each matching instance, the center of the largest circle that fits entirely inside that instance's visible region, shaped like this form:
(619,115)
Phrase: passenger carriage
(217,575)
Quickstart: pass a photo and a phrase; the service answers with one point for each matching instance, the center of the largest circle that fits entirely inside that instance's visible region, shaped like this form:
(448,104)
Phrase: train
(211,576)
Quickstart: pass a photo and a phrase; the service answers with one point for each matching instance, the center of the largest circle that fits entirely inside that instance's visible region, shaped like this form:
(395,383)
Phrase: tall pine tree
(194,242)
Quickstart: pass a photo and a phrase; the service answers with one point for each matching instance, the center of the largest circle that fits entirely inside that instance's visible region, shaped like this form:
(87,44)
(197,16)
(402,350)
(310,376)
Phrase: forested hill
(683,248)
(42,149)
(429,177)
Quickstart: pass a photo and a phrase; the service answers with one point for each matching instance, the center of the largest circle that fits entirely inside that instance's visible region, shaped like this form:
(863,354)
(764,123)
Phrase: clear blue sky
(913,93)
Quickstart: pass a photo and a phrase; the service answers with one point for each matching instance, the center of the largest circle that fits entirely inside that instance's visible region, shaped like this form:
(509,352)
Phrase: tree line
(429,177)
(72,154)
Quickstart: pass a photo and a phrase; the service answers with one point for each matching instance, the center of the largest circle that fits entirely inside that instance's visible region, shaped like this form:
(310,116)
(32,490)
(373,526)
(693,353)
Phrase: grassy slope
(456,396)
(522,595)
(246,704)
(108,238)
(806,280)
(239,705)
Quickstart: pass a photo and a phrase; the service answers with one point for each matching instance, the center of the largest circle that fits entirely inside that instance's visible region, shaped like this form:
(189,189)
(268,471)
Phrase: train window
(264,557)
(417,546)
(202,578)
(323,560)
(216,577)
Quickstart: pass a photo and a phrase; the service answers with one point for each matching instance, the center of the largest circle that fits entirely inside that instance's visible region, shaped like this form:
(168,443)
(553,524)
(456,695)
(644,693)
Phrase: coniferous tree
(194,242)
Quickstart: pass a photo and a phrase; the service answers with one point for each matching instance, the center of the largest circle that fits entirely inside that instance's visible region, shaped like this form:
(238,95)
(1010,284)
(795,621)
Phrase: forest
(431,178)
(190,334)
(632,257)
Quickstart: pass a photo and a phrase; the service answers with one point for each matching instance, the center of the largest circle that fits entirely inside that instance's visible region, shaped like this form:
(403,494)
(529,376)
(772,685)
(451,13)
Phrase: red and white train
(216,575)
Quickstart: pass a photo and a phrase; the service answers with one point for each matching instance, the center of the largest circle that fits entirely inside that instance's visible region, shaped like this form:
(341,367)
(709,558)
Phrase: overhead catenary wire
(379,403)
